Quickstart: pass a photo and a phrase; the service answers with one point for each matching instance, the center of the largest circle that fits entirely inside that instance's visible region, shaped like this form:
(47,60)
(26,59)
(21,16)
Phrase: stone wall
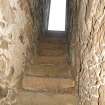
(91,28)
(40,14)
(46,11)
(89,38)
(72,38)
(16,30)
(37,14)
(36,8)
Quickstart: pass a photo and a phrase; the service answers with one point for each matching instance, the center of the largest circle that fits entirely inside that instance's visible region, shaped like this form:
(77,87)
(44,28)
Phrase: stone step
(51,52)
(52,39)
(50,71)
(58,85)
(47,45)
(37,98)
(51,60)
(52,42)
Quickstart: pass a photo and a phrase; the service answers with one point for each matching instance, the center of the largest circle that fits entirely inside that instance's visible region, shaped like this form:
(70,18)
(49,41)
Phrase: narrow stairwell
(50,74)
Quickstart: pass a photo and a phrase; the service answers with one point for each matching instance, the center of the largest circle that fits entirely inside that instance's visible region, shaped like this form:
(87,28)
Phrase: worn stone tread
(47,45)
(55,71)
(59,85)
(51,52)
(51,60)
(33,98)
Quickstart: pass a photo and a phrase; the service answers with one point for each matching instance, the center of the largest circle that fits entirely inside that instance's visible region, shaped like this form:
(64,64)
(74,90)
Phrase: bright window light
(57,15)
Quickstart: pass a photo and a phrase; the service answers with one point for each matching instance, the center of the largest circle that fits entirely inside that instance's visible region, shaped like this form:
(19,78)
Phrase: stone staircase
(50,73)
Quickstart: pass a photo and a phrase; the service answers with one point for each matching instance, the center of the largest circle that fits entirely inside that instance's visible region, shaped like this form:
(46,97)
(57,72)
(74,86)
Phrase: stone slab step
(52,39)
(52,42)
(51,60)
(51,52)
(33,98)
(47,45)
(50,71)
(58,85)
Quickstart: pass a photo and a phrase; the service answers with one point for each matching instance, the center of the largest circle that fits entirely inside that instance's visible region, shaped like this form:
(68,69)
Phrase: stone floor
(31,98)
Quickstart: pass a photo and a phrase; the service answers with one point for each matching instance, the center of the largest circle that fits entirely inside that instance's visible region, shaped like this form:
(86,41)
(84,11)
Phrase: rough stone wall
(91,27)
(72,38)
(40,11)
(46,11)
(37,13)
(90,38)
(16,28)
(36,8)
